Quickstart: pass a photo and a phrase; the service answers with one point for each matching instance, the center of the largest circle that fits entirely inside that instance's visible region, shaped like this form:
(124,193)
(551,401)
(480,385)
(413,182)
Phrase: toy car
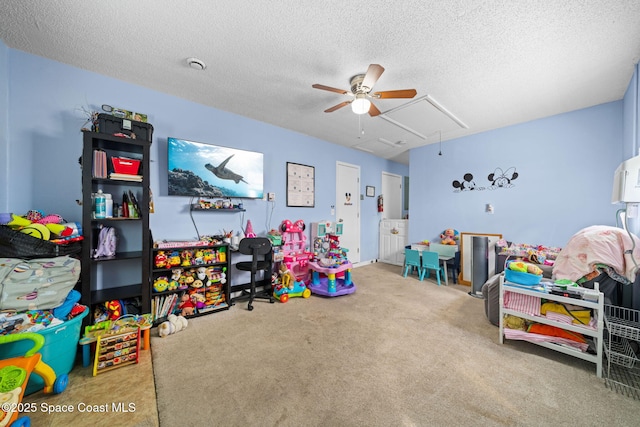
(283,293)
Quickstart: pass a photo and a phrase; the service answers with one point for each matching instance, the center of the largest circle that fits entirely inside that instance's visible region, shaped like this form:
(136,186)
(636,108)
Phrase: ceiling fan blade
(335,107)
(373,110)
(404,93)
(373,74)
(329,88)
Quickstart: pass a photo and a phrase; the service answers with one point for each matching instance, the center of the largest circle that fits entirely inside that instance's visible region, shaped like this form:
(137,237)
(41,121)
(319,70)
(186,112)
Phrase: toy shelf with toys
(189,278)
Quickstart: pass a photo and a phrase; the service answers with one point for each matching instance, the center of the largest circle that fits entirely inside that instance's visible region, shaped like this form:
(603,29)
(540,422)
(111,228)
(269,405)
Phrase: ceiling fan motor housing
(356,84)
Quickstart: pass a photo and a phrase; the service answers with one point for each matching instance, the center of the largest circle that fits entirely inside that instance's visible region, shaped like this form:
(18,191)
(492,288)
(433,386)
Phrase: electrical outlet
(271,197)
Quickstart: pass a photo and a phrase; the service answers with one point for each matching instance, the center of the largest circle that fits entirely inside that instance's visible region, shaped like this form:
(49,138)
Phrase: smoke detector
(196,64)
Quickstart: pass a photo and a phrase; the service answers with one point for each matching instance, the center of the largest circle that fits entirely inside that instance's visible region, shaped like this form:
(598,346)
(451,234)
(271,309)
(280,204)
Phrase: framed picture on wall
(300,185)
(371,191)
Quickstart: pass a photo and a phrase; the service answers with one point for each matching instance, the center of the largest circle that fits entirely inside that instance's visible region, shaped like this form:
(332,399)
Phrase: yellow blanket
(580,317)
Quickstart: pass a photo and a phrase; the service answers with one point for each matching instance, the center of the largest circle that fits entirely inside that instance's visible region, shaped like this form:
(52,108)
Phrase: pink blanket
(598,244)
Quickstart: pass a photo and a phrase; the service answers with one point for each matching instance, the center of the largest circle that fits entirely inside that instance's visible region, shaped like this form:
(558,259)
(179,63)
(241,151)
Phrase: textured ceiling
(476,65)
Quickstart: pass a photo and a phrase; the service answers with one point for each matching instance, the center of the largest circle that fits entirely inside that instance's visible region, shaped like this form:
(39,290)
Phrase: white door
(392,196)
(348,208)
(393,239)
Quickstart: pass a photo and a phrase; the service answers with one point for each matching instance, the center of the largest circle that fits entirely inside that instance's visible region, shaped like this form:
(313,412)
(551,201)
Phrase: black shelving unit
(126,275)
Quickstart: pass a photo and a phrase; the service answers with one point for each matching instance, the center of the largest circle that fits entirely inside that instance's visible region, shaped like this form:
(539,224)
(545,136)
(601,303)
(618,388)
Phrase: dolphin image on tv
(222,172)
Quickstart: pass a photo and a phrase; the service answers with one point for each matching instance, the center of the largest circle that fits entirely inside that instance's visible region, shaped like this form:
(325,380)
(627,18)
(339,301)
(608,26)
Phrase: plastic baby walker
(14,376)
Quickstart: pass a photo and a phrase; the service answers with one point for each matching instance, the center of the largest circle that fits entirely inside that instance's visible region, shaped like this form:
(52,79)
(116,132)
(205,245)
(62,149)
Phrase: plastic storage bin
(521,278)
(59,350)
(126,166)
(107,123)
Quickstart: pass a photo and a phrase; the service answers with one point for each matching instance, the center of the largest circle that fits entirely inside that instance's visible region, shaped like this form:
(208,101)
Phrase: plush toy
(114,309)
(525,267)
(172,325)
(160,259)
(36,224)
(160,284)
(449,237)
(186,306)
(199,300)
(286,278)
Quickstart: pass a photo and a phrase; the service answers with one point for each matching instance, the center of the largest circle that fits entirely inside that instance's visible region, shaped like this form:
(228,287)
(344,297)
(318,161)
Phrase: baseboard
(363,263)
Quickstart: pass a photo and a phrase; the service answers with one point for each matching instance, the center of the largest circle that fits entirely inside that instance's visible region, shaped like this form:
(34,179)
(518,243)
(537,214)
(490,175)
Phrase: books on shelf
(99,165)
(125,177)
(163,305)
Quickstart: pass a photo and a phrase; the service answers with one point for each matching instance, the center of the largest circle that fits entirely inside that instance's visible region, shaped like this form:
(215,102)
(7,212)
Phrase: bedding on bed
(598,249)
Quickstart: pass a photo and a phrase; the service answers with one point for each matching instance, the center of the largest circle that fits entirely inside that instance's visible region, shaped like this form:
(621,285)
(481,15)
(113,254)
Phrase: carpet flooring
(397,352)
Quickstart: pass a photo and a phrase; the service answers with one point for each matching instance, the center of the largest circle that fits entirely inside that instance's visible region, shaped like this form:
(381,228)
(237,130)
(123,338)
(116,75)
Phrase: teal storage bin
(521,278)
(59,350)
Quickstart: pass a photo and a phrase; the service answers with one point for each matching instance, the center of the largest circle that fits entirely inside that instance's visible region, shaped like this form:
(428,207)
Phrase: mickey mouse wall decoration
(467,184)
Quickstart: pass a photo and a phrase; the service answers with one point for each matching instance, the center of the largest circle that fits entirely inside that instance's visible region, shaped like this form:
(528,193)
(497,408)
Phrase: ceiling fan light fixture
(361,104)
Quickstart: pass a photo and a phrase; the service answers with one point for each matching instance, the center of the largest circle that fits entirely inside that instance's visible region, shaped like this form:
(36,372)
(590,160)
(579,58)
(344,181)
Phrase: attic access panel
(423,117)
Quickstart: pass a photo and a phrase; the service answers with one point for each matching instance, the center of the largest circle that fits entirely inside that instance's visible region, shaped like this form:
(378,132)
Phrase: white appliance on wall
(626,182)
(393,239)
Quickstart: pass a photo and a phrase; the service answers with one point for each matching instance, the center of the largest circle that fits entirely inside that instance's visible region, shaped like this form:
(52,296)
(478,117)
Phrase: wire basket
(619,351)
(622,322)
(14,244)
(623,380)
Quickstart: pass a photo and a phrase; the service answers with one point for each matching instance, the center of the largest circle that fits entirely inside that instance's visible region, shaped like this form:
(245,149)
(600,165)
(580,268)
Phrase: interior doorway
(348,208)
(392,195)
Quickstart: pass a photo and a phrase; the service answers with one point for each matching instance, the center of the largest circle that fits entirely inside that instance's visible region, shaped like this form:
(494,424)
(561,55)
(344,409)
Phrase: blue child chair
(412,262)
(430,262)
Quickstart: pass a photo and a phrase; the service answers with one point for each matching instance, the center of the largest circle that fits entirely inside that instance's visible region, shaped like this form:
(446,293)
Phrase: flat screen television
(204,170)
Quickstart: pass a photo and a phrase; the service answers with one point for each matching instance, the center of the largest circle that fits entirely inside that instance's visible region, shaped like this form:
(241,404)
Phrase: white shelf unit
(597,334)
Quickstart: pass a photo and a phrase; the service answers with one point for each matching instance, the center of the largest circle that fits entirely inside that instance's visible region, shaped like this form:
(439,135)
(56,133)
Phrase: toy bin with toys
(59,349)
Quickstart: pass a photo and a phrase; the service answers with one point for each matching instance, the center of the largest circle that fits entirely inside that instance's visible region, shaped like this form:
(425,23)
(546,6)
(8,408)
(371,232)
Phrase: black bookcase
(124,276)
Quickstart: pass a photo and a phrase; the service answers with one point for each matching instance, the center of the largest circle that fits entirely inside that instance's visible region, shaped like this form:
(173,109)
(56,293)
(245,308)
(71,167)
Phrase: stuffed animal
(199,300)
(36,224)
(286,278)
(449,237)
(172,325)
(186,306)
(525,267)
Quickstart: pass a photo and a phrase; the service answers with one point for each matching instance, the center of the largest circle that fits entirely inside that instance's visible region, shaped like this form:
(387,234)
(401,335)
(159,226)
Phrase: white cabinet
(597,308)
(393,239)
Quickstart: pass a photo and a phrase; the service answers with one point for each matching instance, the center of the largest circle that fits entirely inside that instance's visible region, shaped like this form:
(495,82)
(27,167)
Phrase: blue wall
(565,167)
(46,113)
(4,126)
(565,163)
(631,117)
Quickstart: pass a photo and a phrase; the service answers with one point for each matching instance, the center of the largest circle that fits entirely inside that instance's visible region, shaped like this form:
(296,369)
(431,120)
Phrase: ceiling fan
(361,86)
